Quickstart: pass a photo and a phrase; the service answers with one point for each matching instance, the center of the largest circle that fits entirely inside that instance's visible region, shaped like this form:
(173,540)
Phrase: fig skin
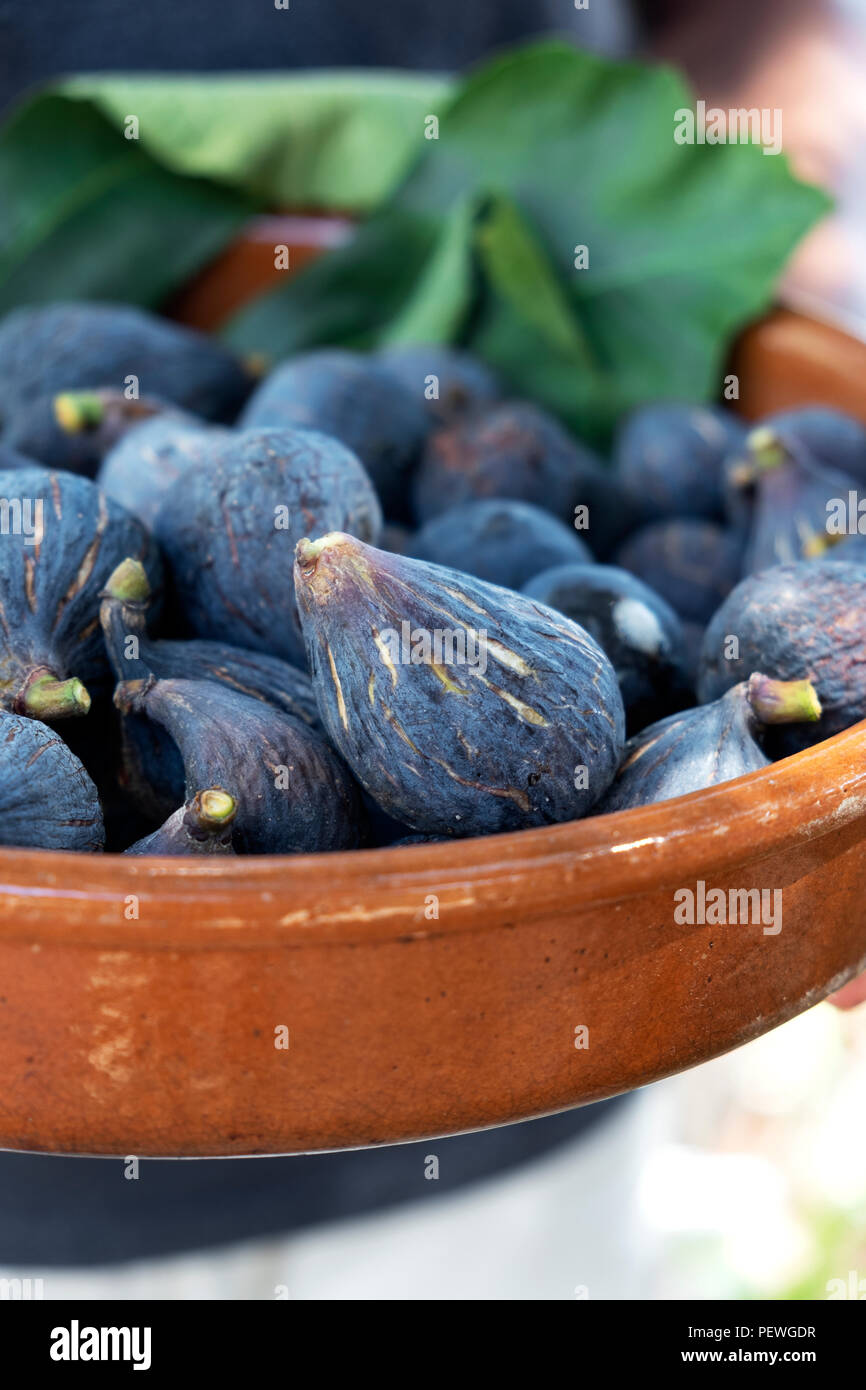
(230,740)
(501,541)
(671,457)
(354,399)
(74,430)
(464,382)
(807,619)
(516,450)
(51,348)
(639,633)
(705,745)
(51,645)
(202,826)
(451,749)
(834,439)
(123,613)
(47,800)
(230,562)
(692,564)
(788,495)
(146,463)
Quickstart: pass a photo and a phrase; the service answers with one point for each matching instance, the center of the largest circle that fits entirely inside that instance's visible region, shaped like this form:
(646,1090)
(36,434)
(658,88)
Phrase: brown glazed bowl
(167,1007)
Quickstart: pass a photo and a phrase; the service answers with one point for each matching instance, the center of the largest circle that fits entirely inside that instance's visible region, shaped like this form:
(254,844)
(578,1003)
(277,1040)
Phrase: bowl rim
(362,896)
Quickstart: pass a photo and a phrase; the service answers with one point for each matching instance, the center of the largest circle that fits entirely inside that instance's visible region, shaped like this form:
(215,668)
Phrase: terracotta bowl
(279,1005)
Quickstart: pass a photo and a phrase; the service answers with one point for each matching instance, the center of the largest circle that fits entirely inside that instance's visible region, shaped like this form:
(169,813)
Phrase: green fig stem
(213,809)
(46,697)
(76,411)
(128,583)
(783,702)
(766,450)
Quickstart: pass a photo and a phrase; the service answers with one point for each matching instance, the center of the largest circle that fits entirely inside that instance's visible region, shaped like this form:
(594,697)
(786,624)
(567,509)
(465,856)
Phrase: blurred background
(743,1179)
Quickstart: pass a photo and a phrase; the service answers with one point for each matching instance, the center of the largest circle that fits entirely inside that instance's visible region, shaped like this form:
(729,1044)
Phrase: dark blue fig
(709,744)
(793,501)
(639,633)
(47,800)
(502,541)
(76,346)
(202,826)
(229,526)
(847,550)
(11,458)
(147,462)
(808,620)
(74,430)
(449,381)
(831,437)
(61,539)
(693,633)
(692,564)
(670,456)
(354,399)
(463,708)
(516,450)
(134,656)
(418,840)
(396,538)
(293,794)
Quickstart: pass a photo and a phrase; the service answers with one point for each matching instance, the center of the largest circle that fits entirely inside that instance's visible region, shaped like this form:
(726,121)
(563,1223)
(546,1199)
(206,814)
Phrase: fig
(516,450)
(229,525)
(671,457)
(807,619)
(849,550)
(61,540)
(293,793)
(639,633)
(123,614)
(354,399)
(692,564)
(147,462)
(76,346)
(501,541)
(707,744)
(202,826)
(461,707)
(832,438)
(74,430)
(791,500)
(47,800)
(450,382)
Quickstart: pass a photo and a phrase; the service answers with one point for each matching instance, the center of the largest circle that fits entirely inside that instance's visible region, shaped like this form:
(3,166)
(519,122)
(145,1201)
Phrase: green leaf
(443,291)
(85,213)
(325,140)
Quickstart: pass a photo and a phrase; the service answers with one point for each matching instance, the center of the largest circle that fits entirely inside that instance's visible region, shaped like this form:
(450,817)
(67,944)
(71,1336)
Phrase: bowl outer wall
(156,1036)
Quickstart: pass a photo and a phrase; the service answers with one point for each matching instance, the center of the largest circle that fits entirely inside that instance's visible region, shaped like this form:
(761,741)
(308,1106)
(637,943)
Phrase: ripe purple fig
(144,465)
(229,526)
(202,826)
(463,708)
(76,429)
(61,539)
(707,744)
(47,800)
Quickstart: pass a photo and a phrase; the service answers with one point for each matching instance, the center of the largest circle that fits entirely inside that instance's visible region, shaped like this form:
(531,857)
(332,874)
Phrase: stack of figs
(372,599)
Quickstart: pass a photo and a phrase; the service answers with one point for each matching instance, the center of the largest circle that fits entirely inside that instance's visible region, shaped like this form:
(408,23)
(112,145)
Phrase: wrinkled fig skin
(47,800)
(450,748)
(807,619)
(639,633)
(503,542)
(684,753)
(230,562)
(789,505)
(76,346)
(692,564)
(671,457)
(229,740)
(75,430)
(835,440)
(123,613)
(462,384)
(49,593)
(147,462)
(202,826)
(355,400)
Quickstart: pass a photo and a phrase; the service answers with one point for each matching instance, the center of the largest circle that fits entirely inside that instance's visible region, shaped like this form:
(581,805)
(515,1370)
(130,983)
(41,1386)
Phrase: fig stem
(213,809)
(783,702)
(46,697)
(766,450)
(128,583)
(76,411)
